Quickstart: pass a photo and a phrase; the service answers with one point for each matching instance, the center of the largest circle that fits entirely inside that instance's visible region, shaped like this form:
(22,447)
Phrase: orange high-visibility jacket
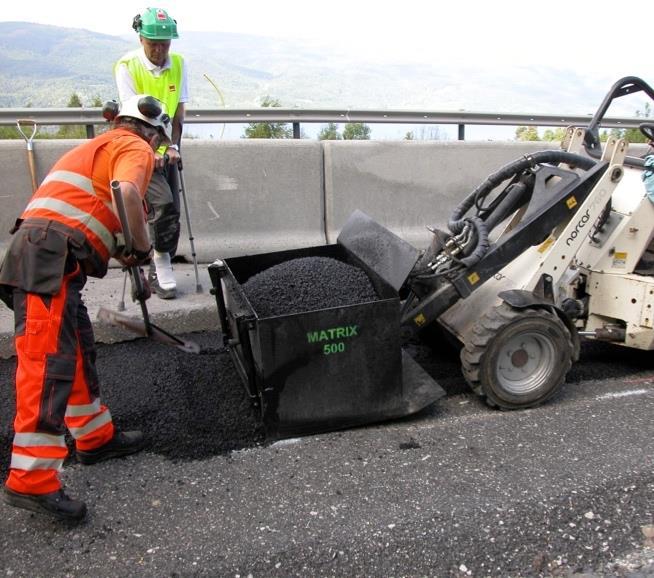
(77,191)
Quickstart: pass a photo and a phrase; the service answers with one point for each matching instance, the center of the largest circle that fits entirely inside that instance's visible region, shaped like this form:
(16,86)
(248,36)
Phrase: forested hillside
(42,66)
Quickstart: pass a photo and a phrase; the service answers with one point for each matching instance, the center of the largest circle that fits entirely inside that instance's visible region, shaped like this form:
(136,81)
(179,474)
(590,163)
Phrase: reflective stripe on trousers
(56,385)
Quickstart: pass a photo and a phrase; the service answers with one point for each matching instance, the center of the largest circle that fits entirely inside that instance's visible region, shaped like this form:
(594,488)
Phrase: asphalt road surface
(459,490)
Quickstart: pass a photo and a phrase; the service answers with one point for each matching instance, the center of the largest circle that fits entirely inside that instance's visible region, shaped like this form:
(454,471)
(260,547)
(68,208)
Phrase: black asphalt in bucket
(316,340)
(307,284)
(188,406)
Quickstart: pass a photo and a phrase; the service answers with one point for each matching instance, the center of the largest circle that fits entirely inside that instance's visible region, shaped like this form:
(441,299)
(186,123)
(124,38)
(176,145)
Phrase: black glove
(135,258)
(140,290)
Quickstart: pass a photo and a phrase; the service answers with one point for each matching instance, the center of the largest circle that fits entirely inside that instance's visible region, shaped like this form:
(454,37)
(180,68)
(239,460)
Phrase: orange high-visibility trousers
(56,385)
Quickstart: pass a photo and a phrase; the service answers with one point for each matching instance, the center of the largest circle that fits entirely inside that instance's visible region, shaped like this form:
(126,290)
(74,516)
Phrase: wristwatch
(174,146)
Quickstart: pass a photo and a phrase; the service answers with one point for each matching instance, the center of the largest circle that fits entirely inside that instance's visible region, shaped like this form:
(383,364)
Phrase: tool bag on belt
(37,257)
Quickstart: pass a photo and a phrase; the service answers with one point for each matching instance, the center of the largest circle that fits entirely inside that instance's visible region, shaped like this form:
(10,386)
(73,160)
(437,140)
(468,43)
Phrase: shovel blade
(138,327)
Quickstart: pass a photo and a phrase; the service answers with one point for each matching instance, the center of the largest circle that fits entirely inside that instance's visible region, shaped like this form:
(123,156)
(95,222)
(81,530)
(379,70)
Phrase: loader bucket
(323,369)
(378,249)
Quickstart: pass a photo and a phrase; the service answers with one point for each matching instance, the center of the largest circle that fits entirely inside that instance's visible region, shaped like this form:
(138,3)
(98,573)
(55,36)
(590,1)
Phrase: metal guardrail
(91,117)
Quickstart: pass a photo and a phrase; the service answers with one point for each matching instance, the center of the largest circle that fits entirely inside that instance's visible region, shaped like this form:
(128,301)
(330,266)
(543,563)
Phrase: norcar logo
(580,225)
(601,195)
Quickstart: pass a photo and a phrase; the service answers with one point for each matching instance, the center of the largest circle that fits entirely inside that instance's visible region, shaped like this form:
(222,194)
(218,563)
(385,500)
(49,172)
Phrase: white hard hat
(150,110)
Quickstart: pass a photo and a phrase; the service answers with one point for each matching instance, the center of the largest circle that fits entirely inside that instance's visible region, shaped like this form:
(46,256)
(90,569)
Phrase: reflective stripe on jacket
(68,195)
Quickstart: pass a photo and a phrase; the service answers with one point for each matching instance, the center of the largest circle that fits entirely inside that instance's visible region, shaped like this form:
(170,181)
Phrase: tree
(329,132)
(74,101)
(633,135)
(356,131)
(526,133)
(268,129)
(557,134)
(72,130)
(613,133)
(9,132)
(429,132)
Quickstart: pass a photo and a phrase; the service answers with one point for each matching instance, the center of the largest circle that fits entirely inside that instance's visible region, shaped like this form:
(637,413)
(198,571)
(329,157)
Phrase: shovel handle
(30,147)
(134,271)
(30,138)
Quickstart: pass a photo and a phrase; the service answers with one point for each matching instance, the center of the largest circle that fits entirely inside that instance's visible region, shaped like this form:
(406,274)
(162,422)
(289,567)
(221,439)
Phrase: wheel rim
(525,362)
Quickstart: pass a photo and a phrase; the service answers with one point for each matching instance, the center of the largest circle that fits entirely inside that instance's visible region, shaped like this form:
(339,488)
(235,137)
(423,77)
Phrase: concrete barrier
(253,196)
(408,185)
(245,197)
(15,180)
(256,196)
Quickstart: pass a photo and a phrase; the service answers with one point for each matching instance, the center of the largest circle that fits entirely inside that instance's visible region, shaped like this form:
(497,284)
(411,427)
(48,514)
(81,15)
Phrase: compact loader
(552,248)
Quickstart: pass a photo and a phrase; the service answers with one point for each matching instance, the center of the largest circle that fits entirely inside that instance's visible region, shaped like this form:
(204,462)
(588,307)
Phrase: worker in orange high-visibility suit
(69,230)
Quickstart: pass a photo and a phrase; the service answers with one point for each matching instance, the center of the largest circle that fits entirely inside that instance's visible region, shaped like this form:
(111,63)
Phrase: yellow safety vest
(166,87)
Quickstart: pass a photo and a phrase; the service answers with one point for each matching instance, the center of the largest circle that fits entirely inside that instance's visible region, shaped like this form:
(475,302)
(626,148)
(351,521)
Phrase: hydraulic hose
(514,194)
(482,245)
(457,220)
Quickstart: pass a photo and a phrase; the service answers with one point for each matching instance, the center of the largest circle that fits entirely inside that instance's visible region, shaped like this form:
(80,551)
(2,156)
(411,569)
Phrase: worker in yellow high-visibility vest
(153,69)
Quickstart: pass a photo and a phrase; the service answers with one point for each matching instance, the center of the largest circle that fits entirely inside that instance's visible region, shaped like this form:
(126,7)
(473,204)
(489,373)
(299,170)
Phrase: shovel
(143,327)
(30,148)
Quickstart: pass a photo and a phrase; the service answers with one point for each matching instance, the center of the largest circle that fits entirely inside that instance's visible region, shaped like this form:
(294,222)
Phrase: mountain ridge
(43,65)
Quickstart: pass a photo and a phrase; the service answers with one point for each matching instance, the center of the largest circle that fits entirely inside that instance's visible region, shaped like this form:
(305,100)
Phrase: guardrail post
(296,130)
(90,131)
(462,132)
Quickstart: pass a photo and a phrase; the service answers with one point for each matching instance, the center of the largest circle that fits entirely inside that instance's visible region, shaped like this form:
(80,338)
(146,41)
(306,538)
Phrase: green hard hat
(155,24)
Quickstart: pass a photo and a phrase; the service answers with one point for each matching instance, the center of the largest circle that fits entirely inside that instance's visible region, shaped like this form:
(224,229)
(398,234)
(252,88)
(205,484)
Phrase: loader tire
(517,358)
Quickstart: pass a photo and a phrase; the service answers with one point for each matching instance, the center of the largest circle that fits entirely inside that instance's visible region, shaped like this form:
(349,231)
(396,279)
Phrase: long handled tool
(121,303)
(198,287)
(30,148)
(143,327)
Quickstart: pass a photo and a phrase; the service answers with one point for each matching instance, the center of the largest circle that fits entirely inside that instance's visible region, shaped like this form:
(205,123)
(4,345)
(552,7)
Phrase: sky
(572,34)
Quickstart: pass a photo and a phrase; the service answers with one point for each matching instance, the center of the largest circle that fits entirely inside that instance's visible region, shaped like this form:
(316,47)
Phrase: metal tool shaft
(134,270)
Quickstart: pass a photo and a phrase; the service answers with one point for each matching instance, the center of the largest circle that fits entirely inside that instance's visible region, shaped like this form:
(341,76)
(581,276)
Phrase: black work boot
(56,504)
(122,444)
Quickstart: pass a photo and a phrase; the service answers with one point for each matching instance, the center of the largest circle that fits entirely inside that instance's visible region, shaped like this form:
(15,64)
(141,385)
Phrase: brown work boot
(56,504)
(122,444)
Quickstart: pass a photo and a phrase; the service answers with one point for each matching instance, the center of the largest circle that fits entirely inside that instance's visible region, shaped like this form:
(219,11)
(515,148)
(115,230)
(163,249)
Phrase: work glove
(135,258)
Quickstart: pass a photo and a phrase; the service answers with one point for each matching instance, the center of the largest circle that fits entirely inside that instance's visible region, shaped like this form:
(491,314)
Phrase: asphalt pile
(307,284)
(188,406)
(192,407)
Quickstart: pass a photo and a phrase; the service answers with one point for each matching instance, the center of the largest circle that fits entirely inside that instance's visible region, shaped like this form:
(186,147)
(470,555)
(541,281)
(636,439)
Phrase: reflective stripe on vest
(30,440)
(105,236)
(83,410)
(21,462)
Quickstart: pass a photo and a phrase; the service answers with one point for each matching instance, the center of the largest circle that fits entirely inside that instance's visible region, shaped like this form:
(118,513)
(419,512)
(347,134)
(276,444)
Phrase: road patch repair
(194,407)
